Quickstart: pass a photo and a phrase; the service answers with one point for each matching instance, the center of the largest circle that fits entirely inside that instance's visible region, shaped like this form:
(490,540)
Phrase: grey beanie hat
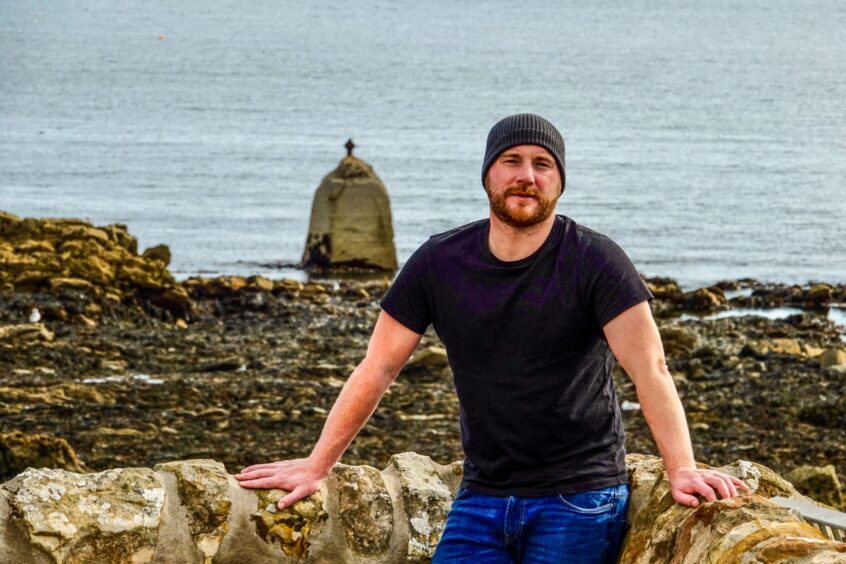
(524,129)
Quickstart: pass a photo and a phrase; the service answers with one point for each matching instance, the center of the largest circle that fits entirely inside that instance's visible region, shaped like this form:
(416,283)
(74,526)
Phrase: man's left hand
(686,483)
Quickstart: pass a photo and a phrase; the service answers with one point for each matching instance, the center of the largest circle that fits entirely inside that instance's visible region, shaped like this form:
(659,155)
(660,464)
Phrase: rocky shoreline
(101,347)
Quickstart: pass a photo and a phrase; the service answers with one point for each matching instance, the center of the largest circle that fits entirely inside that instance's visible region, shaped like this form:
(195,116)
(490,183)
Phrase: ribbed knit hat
(524,129)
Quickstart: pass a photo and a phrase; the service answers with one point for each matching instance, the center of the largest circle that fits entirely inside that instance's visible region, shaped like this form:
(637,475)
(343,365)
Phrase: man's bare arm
(635,341)
(390,347)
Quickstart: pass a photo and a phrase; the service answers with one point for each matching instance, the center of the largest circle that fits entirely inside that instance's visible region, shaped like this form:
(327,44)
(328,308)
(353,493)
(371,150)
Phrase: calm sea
(707,138)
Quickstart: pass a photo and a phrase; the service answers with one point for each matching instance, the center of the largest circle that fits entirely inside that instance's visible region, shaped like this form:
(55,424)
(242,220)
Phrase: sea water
(707,138)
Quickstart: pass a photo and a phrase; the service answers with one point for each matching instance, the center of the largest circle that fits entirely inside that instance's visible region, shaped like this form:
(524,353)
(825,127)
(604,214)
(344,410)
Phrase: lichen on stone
(289,527)
(109,516)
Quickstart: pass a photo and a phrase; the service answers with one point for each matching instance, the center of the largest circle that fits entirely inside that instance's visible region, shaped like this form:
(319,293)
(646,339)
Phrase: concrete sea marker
(351,222)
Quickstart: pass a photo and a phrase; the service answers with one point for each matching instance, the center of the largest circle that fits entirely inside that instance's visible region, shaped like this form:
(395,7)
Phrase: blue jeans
(582,527)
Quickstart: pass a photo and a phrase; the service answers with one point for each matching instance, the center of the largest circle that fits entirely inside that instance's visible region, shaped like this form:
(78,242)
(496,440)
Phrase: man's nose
(526,173)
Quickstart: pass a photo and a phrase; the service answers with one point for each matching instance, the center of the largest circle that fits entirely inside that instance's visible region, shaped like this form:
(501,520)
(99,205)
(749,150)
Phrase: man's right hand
(299,477)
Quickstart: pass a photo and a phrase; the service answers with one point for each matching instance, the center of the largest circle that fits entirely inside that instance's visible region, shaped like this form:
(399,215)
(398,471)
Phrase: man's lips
(521,192)
(524,196)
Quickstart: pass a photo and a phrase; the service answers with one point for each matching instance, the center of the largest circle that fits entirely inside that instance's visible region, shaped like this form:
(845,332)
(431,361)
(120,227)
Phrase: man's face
(523,185)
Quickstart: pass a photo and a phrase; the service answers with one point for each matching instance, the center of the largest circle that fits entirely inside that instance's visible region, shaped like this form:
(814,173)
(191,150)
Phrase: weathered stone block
(723,531)
(203,489)
(426,499)
(185,510)
(365,508)
(111,516)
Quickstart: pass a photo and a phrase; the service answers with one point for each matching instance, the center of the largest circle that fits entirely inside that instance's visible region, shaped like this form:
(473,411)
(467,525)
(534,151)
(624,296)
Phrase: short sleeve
(610,282)
(407,300)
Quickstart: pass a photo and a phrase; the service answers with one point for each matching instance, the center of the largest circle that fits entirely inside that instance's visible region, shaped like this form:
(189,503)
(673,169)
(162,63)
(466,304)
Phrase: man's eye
(544,164)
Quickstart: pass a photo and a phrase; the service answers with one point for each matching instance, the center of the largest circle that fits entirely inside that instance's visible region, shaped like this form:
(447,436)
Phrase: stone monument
(351,220)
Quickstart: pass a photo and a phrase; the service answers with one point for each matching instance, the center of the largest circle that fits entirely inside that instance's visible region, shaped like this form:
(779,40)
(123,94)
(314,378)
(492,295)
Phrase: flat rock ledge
(193,511)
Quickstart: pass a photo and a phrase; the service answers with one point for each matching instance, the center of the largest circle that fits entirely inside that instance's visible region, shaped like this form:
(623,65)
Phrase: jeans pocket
(590,503)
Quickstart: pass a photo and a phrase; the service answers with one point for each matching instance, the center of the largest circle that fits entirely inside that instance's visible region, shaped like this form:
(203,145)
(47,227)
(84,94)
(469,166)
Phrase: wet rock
(312,289)
(73,255)
(819,483)
(228,364)
(703,300)
(77,230)
(825,413)
(36,397)
(220,287)
(83,320)
(175,300)
(430,357)
(19,451)
(664,289)
(819,295)
(260,283)
(351,220)
(287,286)
(785,346)
(678,340)
(160,253)
(832,357)
(8,222)
(25,332)
(71,284)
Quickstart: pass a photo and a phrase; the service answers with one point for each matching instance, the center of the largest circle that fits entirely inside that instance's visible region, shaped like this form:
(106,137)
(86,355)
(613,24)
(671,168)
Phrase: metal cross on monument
(350,146)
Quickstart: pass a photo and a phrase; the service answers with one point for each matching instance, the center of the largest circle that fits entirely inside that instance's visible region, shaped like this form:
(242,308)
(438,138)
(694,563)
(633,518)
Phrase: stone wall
(193,511)
(748,528)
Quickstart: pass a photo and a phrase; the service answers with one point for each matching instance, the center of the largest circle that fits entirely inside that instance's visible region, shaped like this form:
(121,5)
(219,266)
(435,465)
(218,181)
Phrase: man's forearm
(353,407)
(635,341)
(664,414)
(390,347)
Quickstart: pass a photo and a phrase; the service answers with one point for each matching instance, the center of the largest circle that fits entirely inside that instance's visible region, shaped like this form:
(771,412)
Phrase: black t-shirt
(538,411)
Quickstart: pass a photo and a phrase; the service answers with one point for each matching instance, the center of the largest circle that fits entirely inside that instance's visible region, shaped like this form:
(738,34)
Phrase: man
(530,306)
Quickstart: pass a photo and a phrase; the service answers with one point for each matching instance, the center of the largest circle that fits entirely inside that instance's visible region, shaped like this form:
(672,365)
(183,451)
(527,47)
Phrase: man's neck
(509,244)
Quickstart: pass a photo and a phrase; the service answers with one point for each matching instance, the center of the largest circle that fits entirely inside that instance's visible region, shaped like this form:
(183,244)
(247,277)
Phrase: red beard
(521,217)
